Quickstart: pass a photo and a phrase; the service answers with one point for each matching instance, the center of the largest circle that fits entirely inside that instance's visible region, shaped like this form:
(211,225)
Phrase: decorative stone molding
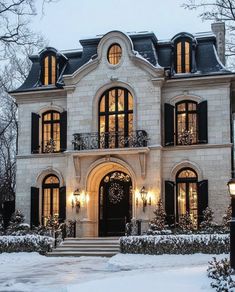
(49,170)
(143,164)
(185,96)
(186,164)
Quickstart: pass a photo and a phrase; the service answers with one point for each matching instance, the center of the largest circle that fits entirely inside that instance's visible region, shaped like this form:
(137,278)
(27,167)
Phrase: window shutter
(169,124)
(170,202)
(62,204)
(34,214)
(35,133)
(202,198)
(202,123)
(63,131)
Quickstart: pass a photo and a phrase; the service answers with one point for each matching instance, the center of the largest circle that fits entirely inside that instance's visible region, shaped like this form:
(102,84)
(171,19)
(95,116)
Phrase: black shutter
(62,204)
(202,123)
(202,198)
(63,131)
(169,124)
(170,202)
(34,215)
(35,133)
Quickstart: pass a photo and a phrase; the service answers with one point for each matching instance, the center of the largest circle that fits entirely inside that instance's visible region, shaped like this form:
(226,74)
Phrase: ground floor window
(187,194)
(50,197)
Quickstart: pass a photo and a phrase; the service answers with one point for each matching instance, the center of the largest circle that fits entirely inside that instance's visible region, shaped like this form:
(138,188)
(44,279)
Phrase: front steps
(90,246)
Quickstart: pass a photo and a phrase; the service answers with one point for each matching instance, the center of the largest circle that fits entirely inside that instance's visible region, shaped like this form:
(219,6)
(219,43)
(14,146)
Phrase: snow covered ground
(23,272)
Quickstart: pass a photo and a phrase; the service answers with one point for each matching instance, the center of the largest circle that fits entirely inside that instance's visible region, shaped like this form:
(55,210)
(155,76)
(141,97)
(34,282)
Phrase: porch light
(231,187)
(144,195)
(76,201)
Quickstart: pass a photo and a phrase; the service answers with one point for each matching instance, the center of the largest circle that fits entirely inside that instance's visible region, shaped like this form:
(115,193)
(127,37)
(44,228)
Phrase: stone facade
(147,166)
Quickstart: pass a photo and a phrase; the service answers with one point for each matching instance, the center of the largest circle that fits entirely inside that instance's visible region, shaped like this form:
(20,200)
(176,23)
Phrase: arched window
(49,70)
(183,56)
(50,197)
(115,118)
(51,132)
(187,194)
(114,54)
(186,123)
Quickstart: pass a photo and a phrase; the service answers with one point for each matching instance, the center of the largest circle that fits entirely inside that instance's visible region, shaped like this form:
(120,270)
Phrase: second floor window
(49,70)
(185,123)
(51,131)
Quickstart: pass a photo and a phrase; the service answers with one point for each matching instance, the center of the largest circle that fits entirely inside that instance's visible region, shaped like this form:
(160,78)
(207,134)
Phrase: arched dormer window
(49,70)
(183,56)
(184,53)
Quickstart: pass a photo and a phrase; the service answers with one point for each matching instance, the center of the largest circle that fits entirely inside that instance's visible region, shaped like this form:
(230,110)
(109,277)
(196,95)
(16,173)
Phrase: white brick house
(126,112)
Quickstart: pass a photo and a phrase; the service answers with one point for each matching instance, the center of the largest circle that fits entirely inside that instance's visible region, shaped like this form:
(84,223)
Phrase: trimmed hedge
(26,243)
(175,244)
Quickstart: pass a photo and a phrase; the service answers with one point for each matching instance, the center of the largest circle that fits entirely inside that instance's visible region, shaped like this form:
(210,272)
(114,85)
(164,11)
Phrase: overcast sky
(68,21)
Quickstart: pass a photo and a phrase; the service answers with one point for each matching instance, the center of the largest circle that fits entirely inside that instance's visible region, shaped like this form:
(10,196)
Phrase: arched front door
(115,203)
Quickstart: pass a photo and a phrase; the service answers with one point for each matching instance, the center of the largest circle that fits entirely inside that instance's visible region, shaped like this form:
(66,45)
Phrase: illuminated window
(50,197)
(114,54)
(115,118)
(49,70)
(51,132)
(186,123)
(183,56)
(187,194)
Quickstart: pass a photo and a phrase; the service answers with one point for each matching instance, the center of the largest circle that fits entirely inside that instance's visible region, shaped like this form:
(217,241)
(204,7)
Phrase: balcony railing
(88,141)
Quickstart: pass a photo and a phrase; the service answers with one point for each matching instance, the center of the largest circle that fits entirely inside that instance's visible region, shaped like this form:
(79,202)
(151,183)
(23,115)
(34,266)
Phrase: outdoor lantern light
(143,195)
(77,200)
(231,189)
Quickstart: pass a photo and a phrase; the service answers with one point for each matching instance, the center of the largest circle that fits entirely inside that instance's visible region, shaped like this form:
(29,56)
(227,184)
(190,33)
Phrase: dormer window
(49,70)
(183,58)
(114,54)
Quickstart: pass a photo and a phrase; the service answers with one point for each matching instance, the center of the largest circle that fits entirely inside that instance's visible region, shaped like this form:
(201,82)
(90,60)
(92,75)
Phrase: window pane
(187,173)
(181,198)
(120,100)
(181,107)
(187,57)
(179,57)
(46,205)
(130,102)
(192,126)
(181,125)
(46,134)
(112,123)
(56,116)
(192,106)
(130,124)
(53,70)
(52,180)
(102,104)
(114,54)
(55,201)
(112,107)
(102,124)
(56,136)
(46,70)
(193,208)
(47,117)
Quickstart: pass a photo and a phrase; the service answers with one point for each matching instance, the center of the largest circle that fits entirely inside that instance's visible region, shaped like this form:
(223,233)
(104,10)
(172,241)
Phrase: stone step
(80,254)
(92,238)
(87,248)
(81,245)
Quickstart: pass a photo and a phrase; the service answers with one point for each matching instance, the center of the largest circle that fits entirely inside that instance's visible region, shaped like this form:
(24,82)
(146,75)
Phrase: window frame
(187,112)
(106,113)
(51,122)
(51,187)
(183,40)
(115,55)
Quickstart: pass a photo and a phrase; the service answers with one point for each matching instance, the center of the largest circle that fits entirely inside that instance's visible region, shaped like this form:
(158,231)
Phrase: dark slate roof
(146,44)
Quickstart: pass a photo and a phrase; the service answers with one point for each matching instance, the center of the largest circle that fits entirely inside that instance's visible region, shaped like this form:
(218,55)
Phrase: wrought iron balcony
(88,141)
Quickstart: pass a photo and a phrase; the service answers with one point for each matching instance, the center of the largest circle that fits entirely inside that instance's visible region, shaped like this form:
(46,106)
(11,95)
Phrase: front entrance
(115,203)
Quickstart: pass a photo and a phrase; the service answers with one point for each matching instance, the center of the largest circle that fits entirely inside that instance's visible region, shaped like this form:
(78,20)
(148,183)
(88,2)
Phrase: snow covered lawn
(22,272)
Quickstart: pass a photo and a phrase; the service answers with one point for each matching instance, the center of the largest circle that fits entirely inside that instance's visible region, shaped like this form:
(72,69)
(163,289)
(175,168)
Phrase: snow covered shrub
(158,224)
(16,225)
(185,223)
(220,272)
(175,244)
(1,225)
(26,243)
(208,217)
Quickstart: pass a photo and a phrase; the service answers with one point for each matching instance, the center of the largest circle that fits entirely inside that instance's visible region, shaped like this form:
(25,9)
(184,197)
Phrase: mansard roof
(158,53)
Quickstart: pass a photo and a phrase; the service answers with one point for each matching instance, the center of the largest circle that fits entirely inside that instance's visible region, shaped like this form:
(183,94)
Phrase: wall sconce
(144,196)
(76,201)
